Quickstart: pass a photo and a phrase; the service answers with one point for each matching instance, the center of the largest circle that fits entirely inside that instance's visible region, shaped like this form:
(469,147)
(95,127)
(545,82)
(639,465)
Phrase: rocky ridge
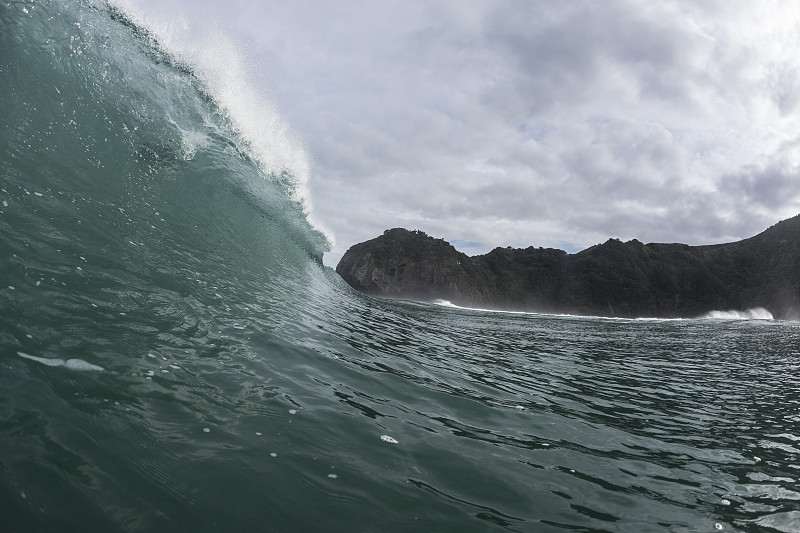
(625,279)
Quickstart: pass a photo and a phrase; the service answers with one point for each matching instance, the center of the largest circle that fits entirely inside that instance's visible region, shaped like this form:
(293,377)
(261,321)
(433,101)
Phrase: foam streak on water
(71,364)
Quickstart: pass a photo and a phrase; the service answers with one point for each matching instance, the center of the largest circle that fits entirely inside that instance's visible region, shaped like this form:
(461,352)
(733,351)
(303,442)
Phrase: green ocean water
(174,356)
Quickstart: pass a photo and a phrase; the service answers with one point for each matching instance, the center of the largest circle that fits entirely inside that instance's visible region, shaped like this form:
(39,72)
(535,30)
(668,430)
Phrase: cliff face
(409,264)
(611,279)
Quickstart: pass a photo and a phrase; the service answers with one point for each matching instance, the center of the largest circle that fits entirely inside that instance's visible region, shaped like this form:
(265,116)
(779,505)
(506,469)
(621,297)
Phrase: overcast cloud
(502,123)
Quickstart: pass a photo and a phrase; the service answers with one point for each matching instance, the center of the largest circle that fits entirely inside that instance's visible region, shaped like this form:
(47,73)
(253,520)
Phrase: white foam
(72,364)
(755,313)
(224,70)
(82,366)
(191,141)
(446,303)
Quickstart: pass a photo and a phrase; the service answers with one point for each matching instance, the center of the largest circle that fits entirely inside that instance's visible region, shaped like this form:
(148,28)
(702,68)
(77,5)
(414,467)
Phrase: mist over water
(757,313)
(174,356)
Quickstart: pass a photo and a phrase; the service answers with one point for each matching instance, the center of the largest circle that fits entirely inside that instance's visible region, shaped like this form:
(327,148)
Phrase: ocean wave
(225,75)
(108,107)
(224,378)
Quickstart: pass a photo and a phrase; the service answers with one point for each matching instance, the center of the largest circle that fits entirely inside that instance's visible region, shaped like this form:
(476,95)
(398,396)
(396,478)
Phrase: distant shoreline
(614,279)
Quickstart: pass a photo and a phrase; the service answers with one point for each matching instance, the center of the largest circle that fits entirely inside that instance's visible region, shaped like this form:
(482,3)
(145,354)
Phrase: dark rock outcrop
(628,279)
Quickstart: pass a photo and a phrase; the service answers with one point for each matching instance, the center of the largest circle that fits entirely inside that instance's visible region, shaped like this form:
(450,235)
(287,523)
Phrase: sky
(522,123)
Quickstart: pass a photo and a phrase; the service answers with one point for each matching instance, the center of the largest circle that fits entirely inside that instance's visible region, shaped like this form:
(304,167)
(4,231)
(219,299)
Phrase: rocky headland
(623,279)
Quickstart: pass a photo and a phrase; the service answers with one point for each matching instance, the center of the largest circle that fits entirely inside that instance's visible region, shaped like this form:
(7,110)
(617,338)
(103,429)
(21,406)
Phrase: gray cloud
(535,123)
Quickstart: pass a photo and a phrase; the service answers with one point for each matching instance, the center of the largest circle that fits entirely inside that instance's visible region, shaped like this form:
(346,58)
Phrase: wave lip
(755,313)
(245,115)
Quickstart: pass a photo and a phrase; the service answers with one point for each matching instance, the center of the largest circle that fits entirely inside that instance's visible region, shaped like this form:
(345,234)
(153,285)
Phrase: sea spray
(756,313)
(228,76)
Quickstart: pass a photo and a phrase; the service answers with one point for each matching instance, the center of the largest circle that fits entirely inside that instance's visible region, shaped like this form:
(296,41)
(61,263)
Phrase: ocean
(174,355)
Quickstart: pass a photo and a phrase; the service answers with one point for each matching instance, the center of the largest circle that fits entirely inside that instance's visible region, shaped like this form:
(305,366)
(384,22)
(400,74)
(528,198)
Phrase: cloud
(536,123)
(768,185)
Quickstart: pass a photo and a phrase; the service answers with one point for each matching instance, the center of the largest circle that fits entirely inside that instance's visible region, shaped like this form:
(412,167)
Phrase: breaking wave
(756,313)
(175,357)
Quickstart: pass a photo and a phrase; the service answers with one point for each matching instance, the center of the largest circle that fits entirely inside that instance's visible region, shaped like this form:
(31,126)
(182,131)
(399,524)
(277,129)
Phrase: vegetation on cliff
(615,278)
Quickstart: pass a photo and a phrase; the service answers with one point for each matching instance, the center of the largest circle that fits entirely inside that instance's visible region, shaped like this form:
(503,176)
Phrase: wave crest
(755,313)
(226,76)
